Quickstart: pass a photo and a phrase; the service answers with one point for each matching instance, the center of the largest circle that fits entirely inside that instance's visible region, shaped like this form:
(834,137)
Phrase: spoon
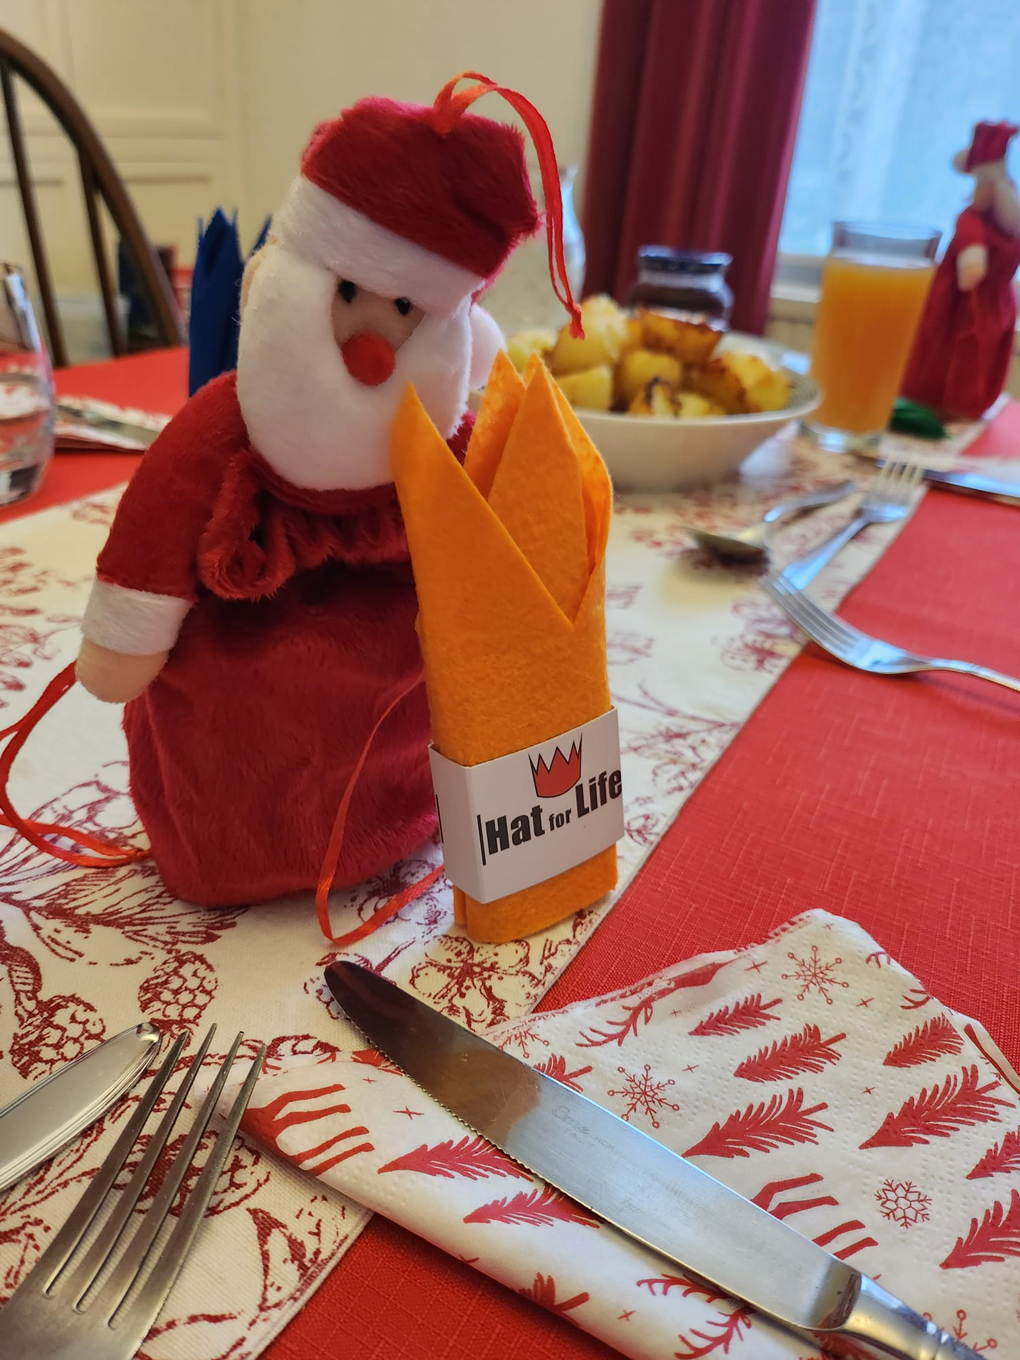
(751,542)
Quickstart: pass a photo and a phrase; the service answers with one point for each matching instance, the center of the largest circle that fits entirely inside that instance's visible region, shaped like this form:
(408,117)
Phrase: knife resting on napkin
(884,1133)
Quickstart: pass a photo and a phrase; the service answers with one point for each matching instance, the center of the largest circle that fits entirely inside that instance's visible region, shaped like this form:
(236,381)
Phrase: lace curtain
(892,91)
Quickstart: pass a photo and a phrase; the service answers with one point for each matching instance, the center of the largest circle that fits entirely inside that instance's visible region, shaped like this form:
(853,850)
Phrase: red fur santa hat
(425,202)
(988,143)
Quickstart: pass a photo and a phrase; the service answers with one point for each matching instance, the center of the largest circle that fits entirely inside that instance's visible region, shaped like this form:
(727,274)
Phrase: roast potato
(591,389)
(605,335)
(692,342)
(740,383)
(638,368)
(654,399)
(649,363)
(693,406)
(523,344)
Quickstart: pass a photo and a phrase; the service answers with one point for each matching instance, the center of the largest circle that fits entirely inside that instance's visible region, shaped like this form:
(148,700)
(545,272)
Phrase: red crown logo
(559,777)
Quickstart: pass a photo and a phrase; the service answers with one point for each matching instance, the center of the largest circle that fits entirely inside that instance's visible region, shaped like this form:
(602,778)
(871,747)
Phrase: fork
(854,648)
(887,501)
(46,1314)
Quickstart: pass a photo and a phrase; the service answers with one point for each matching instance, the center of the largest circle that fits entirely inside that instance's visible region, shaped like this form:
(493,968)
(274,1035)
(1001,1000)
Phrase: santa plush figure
(254,604)
(964,343)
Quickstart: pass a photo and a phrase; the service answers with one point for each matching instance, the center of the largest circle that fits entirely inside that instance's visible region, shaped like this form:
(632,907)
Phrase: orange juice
(867,315)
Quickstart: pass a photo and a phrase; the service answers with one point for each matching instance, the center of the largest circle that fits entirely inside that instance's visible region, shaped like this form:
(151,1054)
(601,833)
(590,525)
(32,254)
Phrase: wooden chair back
(99,181)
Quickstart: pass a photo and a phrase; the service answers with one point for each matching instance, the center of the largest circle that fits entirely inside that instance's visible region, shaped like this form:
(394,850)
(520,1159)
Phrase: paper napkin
(509,563)
(811,1072)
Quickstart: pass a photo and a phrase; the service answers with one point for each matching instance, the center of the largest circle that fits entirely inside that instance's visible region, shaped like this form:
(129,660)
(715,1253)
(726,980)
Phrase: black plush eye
(347,290)
(403,305)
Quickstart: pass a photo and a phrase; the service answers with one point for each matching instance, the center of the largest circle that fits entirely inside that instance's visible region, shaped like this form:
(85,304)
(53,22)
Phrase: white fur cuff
(134,622)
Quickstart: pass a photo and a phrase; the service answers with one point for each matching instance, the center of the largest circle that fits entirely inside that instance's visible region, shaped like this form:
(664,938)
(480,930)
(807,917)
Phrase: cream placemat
(693,648)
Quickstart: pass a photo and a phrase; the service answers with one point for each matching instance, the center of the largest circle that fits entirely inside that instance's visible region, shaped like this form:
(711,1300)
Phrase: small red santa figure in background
(964,343)
(254,604)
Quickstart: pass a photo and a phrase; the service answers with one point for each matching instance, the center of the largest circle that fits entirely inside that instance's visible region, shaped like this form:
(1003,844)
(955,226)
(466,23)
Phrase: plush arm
(127,636)
(971,267)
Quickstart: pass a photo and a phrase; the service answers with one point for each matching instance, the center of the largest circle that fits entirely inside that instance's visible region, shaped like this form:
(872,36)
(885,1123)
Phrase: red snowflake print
(178,991)
(814,974)
(526,1035)
(959,1332)
(644,1094)
(903,1203)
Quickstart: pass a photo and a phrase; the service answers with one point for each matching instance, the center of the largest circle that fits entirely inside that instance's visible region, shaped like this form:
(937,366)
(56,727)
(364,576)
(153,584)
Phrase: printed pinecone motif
(60,1030)
(179,990)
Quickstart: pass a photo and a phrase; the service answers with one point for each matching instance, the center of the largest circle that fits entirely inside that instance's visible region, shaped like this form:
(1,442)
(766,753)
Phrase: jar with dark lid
(690,282)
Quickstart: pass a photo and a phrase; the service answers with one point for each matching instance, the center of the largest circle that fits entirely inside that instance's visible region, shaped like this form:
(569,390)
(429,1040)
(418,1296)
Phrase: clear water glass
(27,401)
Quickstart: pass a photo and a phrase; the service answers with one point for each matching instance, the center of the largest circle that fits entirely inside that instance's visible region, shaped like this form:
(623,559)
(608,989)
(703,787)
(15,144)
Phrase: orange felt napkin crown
(509,562)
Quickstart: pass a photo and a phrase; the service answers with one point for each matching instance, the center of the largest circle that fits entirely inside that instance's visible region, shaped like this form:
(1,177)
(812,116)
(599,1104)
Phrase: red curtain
(692,135)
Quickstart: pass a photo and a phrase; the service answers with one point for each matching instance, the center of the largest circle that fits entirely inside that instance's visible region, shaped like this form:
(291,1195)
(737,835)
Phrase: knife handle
(881,1325)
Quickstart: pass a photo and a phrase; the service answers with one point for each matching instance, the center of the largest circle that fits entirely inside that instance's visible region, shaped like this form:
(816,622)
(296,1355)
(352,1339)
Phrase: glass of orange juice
(874,283)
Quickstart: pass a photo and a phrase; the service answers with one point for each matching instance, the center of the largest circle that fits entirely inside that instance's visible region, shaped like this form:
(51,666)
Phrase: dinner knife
(638,1185)
(69,410)
(54,1111)
(974,482)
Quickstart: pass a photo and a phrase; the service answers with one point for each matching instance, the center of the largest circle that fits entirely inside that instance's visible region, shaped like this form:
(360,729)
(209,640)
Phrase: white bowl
(657,453)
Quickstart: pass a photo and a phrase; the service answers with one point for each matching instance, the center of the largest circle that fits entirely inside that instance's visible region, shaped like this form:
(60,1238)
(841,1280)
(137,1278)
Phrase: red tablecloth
(892,802)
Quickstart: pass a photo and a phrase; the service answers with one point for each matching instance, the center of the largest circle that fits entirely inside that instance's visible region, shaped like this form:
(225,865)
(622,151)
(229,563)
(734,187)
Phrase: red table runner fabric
(889,801)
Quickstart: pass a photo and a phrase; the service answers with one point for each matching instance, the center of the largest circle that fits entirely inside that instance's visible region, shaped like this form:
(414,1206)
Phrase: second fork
(888,500)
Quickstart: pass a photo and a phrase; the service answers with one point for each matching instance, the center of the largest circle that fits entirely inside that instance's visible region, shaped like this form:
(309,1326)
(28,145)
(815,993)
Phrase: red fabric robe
(301,630)
(964,342)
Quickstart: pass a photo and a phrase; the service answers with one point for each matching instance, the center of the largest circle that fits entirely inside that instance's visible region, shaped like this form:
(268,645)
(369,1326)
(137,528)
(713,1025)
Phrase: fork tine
(823,628)
(822,621)
(78,1282)
(57,1254)
(128,1268)
(140,1314)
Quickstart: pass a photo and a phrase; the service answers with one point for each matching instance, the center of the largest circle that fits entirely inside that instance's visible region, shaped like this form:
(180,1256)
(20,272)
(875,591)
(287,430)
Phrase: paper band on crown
(326,232)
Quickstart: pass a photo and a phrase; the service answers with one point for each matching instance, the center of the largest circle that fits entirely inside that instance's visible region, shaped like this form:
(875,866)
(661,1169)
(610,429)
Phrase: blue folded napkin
(216,299)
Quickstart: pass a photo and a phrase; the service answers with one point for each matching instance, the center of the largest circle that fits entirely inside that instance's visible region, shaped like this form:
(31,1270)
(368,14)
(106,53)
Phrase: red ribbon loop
(448,108)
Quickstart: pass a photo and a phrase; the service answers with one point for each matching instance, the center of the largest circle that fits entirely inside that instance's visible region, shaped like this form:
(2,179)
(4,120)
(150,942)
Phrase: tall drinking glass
(26,393)
(874,283)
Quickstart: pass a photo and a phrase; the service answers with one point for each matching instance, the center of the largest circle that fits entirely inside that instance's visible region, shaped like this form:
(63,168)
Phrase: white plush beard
(315,424)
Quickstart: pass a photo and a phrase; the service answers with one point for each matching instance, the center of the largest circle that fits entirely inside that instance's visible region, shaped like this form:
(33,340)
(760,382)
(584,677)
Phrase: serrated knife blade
(636,1184)
(58,1108)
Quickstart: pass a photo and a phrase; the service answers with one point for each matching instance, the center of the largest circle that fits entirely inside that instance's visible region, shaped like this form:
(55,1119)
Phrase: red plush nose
(369,357)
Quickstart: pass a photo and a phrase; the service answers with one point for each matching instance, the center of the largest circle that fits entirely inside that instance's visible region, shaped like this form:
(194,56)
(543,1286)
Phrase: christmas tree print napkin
(811,1073)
